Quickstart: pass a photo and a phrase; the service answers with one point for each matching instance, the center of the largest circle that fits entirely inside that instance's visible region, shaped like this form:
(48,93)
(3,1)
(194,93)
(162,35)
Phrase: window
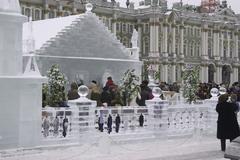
(51,14)
(66,14)
(37,14)
(131,28)
(22,10)
(146,46)
(124,27)
(118,27)
(146,28)
(28,12)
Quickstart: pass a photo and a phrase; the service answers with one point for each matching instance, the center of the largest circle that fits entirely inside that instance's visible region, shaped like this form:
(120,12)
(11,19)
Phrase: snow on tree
(129,86)
(56,86)
(191,81)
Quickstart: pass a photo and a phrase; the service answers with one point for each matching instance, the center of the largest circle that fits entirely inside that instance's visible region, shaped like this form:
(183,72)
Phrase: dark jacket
(227,124)
(117,120)
(106,97)
(146,94)
(73,94)
(109,122)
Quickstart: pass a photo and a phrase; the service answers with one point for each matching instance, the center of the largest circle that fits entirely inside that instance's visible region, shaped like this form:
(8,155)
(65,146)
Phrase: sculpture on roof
(134,39)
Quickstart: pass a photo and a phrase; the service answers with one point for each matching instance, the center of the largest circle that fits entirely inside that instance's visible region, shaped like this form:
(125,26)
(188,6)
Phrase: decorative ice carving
(89,7)
(134,39)
(32,68)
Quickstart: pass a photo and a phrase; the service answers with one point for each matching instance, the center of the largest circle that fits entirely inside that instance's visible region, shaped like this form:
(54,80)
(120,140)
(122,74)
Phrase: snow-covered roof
(43,30)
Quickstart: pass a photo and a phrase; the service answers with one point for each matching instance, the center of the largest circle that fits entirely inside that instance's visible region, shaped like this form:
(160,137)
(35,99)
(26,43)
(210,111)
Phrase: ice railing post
(83,115)
(158,113)
(211,104)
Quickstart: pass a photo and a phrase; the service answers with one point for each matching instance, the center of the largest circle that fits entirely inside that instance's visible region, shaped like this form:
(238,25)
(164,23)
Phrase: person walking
(117,122)
(141,120)
(109,124)
(227,124)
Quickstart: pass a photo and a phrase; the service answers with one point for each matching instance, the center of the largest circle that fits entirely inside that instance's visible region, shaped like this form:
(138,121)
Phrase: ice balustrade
(70,123)
(129,116)
(160,118)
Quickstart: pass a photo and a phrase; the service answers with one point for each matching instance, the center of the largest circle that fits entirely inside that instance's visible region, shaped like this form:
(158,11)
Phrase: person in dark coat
(73,92)
(106,96)
(145,94)
(141,120)
(65,126)
(227,124)
(117,122)
(109,124)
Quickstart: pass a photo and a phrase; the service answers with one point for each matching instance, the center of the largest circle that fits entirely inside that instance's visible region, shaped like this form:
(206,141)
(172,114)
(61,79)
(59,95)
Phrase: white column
(228,45)
(181,39)
(46,11)
(140,36)
(221,49)
(165,73)
(173,73)
(234,74)
(218,74)
(203,42)
(216,44)
(165,40)
(204,73)
(236,58)
(114,27)
(154,37)
(174,39)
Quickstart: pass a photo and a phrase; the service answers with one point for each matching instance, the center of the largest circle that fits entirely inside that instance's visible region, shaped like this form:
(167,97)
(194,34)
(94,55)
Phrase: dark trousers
(223,144)
(117,128)
(101,127)
(109,129)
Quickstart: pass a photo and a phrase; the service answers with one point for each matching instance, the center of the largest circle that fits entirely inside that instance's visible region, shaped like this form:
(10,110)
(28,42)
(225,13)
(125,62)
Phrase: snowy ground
(187,148)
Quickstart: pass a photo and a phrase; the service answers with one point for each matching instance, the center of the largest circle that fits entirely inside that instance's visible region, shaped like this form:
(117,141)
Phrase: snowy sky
(233,3)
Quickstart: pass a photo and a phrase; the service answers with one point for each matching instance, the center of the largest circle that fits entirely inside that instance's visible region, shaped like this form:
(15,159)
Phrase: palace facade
(168,39)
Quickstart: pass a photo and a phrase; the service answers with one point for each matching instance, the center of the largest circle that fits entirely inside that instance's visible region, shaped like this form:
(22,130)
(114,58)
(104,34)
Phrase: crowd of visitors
(110,94)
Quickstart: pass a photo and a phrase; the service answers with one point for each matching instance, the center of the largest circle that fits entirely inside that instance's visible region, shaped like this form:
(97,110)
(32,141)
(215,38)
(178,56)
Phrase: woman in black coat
(227,124)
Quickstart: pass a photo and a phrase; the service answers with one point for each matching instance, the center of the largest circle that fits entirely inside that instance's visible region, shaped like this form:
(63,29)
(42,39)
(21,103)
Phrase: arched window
(66,14)
(27,12)
(124,27)
(146,46)
(51,14)
(37,14)
(118,27)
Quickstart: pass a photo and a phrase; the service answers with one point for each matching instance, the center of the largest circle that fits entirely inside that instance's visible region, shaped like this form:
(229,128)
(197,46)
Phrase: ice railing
(161,117)
(181,119)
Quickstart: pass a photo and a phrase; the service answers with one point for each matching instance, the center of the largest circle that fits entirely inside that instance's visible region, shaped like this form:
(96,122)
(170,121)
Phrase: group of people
(110,94)
(117,122)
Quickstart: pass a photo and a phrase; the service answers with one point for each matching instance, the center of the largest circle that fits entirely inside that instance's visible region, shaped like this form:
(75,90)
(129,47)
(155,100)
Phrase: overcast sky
(233,3)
